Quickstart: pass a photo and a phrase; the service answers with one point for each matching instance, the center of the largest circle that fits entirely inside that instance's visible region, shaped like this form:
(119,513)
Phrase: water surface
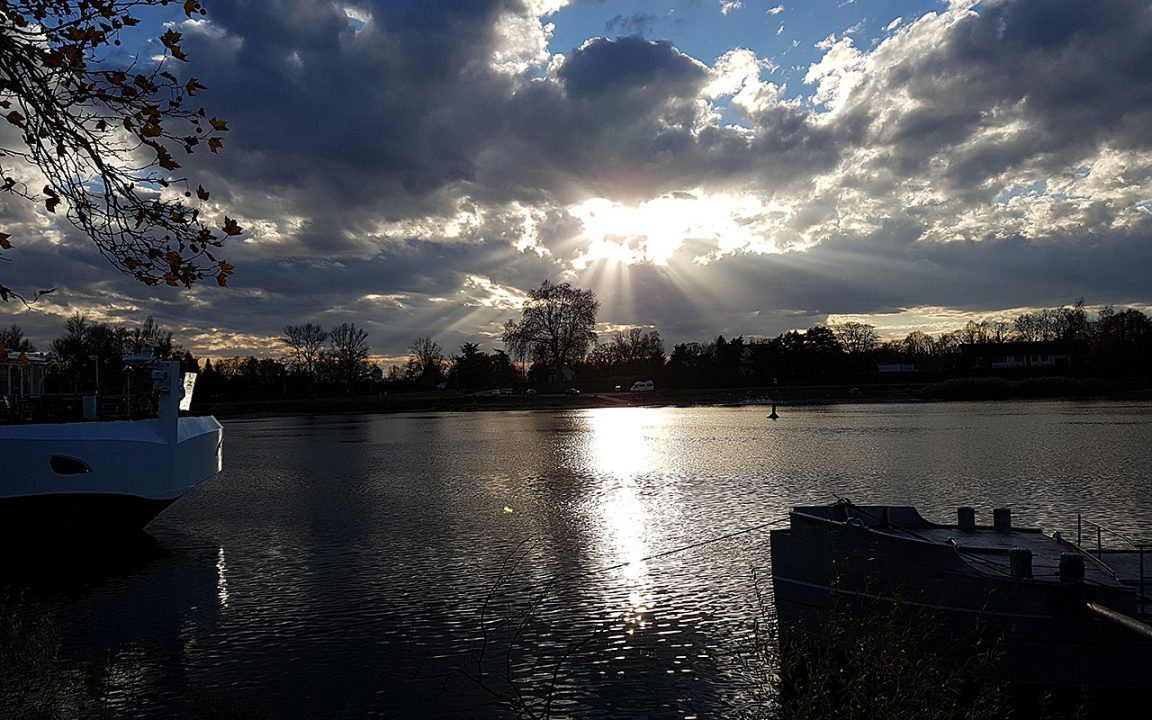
(436,566)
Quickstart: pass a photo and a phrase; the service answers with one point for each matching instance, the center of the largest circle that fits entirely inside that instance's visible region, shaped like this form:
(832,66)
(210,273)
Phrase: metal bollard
(1071,568)
(1020,561)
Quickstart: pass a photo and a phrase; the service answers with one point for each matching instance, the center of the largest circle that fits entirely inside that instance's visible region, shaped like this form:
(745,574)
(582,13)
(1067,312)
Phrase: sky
(707,167)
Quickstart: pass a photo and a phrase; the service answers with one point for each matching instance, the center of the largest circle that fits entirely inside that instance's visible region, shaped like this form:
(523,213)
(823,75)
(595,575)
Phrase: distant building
(1020,355)
(896,367)
(22,374)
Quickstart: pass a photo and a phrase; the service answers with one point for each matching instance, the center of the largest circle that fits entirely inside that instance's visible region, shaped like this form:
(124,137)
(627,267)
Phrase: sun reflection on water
(622,441)
(622,447)
(222,578)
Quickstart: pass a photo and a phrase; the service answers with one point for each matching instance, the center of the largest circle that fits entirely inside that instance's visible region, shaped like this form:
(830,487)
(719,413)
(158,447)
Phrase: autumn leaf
(201,192)
(215,143)
(4,241)
(170,279)
(218,124)
(222,280)
(15,118)
(231,227)
(164,159)
(191,6)
(53,199)
(171,40)
(131,263)
(226,267)
(193,85)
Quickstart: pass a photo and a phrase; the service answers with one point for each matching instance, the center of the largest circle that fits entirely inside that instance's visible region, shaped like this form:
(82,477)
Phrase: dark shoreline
(960,389)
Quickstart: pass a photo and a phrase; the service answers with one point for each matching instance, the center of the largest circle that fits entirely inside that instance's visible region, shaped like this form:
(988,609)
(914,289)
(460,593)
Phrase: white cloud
(521,45)
(481,291)
(734,71)
(840,71)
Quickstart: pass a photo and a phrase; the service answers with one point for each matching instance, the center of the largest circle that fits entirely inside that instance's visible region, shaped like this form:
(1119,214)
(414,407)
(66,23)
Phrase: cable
(654,556)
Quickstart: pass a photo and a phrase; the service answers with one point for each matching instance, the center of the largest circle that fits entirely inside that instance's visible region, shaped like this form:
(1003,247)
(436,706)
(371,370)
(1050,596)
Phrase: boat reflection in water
(1052,613)
(108,622)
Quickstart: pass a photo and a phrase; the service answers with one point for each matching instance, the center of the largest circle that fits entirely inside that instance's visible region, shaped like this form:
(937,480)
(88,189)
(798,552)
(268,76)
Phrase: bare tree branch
(104,138)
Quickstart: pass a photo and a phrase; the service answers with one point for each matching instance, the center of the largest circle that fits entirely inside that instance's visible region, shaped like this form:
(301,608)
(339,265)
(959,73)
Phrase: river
(612,562)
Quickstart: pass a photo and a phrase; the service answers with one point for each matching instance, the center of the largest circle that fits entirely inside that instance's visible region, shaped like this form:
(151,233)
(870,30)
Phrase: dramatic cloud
(414,167)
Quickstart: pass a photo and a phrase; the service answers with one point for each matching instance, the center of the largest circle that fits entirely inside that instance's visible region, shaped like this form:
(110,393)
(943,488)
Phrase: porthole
(64,465)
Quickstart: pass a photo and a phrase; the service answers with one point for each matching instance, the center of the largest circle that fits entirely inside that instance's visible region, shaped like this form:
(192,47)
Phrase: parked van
(643,386)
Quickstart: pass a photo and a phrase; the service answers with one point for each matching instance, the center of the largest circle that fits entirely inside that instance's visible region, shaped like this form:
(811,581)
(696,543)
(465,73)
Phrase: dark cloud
(384,155)
(602,66)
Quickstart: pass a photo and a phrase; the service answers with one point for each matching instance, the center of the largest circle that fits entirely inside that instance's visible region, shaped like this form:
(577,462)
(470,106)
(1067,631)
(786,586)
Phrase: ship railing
(1142,548)
(74,407)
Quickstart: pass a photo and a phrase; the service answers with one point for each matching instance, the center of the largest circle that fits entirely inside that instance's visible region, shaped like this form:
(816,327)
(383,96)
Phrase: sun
(653,231)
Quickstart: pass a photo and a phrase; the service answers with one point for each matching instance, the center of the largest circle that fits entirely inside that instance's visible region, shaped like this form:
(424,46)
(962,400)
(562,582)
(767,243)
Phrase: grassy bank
(957,389)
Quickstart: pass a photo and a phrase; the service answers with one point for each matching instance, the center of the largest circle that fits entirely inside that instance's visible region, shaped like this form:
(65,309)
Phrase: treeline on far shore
(1062,352)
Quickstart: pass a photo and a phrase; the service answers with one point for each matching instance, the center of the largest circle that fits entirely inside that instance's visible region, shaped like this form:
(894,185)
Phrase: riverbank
(958,389)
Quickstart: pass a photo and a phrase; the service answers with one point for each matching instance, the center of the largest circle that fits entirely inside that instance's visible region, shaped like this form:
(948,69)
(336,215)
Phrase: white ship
(97,477)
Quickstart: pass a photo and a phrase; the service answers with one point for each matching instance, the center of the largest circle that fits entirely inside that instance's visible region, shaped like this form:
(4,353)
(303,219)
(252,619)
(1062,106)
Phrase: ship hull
(105,477)
(827,572)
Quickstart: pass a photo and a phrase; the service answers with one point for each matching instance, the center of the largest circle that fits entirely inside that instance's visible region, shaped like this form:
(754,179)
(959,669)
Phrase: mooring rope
(655,556)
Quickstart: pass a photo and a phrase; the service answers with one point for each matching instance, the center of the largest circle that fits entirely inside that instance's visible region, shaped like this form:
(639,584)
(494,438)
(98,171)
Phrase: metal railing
(1140,547)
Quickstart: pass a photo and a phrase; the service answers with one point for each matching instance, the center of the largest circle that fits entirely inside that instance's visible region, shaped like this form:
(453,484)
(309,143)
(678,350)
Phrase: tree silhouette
(305,343)
(855,337)
(557,325)
(349,349)
(427,361)
(637,347)
(13,339)
(101,139)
